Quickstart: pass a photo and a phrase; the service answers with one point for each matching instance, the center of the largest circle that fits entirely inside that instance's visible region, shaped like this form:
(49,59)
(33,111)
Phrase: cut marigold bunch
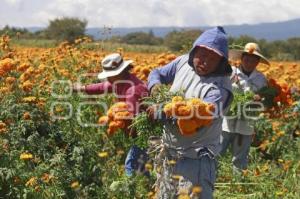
(114,126)
(103,120)
(120,106)
(123,115)
(184,110)
(187,126)
(117,118)
(177,99)
(192,113)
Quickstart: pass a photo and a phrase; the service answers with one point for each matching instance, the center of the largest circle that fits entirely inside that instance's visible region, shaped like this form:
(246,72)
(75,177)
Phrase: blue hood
(215,39)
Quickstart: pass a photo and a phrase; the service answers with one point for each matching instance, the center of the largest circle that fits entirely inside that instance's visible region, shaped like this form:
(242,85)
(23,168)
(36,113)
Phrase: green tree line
(69,29)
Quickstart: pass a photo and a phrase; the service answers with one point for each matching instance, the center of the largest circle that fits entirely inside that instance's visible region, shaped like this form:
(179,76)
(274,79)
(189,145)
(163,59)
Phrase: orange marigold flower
(122,105)
(195,102)
(24,77)
(26,156)
(110,114)
(2,72)
(177,99)
(123,115)
(168,109)
(146,71)
(120,124)
(103,154)
(3,128)
(184,111)
(184,196)
(176,106)
(30,99)
(10,80)
(75,185)
(103,120)
(196,189)
(31,182)
(7,64)
(27,86)
(171,57)
(161,62)
(114,126)
(263,146)
(23,67)
(47,177)
(4,89)
(187,127)
(26,116)
(210,108)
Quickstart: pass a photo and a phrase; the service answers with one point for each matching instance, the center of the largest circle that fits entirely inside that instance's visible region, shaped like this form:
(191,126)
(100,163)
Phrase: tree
(240,42)
(141,38)
(181,40)
(15,32)
(66,28)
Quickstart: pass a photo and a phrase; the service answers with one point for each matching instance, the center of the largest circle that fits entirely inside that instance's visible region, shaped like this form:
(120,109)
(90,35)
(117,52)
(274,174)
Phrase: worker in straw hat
(245,77)
(127,88)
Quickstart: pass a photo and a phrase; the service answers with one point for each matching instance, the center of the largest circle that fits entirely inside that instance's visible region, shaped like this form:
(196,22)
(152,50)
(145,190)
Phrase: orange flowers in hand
(192,113)
(118,117)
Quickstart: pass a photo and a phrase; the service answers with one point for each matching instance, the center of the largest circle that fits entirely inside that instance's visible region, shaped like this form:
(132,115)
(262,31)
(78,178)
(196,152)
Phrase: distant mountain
(269,31)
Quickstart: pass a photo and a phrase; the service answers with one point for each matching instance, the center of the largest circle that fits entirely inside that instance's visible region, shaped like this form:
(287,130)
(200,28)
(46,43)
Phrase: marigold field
(52,146)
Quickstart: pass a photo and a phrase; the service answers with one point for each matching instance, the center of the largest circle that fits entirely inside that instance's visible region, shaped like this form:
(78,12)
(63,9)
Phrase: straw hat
(250,48)
(113,65)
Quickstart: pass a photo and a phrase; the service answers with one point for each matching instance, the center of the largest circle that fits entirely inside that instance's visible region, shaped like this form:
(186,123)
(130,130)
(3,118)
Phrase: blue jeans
(240,148)
(135,161)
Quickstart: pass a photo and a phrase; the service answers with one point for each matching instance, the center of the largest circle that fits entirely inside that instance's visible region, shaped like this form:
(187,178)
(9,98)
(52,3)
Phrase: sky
(147,13)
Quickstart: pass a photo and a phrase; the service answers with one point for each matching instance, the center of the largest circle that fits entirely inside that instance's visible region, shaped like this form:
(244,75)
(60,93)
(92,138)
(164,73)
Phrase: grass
(98,45)
(39,43)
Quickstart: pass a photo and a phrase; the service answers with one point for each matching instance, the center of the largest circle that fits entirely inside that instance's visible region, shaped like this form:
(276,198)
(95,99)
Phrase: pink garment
(131,91)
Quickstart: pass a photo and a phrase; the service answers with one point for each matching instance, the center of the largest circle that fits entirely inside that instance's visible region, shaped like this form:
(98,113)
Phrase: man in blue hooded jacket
(202,73)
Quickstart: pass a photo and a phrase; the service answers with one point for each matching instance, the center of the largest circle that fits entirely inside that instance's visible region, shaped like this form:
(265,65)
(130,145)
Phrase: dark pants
(135,161)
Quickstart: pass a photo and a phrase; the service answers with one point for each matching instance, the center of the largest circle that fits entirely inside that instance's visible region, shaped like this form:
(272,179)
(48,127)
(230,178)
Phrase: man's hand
(256,97)
(151,111)
(77,87)
(155,89)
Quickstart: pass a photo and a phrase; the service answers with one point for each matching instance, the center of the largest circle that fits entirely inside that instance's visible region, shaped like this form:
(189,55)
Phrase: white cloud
(137,13)
(13,2)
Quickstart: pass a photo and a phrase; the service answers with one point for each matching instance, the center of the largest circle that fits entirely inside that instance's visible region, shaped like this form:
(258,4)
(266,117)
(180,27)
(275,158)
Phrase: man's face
(205,61)
(249,62)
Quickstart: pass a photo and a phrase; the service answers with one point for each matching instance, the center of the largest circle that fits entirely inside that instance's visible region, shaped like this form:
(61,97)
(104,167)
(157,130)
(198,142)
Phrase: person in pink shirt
(127,88)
